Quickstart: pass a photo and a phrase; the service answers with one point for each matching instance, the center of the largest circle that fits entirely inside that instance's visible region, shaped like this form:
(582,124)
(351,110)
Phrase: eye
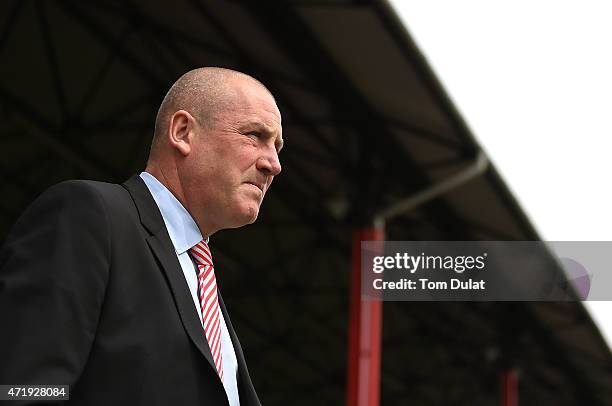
(255,134)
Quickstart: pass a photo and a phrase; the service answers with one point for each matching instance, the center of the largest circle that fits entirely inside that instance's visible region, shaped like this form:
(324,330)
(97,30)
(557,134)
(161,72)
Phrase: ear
(181,131)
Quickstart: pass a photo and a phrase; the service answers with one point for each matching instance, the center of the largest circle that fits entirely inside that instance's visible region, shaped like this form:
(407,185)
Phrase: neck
(168,176)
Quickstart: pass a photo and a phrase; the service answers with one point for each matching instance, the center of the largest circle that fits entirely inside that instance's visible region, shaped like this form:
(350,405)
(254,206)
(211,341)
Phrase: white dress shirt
(184,234)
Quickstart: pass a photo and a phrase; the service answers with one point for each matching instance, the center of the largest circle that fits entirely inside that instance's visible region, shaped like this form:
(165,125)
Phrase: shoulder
(77,201)
(85,189)
(83,195)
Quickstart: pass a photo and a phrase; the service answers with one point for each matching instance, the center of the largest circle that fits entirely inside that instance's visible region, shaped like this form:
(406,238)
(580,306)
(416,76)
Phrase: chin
(248,215)
(253,215)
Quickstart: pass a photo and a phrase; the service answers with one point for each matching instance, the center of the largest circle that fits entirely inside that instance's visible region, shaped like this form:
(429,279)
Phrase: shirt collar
(183,230)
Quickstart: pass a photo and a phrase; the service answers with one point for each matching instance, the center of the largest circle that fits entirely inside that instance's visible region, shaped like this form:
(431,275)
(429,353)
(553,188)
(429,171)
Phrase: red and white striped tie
(209,303)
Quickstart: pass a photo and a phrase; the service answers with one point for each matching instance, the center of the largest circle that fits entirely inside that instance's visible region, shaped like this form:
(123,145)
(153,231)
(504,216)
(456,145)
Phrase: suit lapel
(246,391)
(161,245)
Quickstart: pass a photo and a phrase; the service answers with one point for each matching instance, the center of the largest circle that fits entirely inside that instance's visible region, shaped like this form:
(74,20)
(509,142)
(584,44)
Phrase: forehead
(252,104)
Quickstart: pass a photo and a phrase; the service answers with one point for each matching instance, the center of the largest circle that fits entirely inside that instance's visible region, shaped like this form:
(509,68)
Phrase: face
(231,165)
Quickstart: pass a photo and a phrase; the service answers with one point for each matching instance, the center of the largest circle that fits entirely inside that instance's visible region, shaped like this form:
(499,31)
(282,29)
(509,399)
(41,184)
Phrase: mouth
(259,186)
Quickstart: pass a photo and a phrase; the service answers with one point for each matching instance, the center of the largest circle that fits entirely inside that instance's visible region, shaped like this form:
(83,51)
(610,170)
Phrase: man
(111,289)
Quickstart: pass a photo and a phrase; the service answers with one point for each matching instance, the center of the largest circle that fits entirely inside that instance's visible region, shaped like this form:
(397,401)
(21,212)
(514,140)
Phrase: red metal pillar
(365,332)
(509,387)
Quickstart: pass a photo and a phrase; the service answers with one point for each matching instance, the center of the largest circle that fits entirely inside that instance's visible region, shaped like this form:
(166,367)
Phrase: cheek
(245,157)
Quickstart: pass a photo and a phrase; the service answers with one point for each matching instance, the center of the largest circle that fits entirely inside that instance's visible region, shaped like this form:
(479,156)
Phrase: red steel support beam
(365,332)
(509,387)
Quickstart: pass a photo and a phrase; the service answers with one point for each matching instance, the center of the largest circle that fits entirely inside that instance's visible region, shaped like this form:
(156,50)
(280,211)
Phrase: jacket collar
(161,245)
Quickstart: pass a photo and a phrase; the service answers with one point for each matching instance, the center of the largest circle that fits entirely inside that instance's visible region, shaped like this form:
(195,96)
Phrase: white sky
(533,80)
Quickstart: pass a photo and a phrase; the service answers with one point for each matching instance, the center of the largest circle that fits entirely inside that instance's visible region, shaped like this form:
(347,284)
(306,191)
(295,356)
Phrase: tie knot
(201,254)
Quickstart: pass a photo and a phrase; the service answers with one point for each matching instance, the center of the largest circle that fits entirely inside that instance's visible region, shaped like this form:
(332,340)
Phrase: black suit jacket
(92,295)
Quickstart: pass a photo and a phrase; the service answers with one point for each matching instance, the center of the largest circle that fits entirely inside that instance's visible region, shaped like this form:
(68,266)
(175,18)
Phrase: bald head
(204,93)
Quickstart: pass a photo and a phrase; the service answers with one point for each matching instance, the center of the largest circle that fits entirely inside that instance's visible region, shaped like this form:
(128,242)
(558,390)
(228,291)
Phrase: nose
(269,163)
